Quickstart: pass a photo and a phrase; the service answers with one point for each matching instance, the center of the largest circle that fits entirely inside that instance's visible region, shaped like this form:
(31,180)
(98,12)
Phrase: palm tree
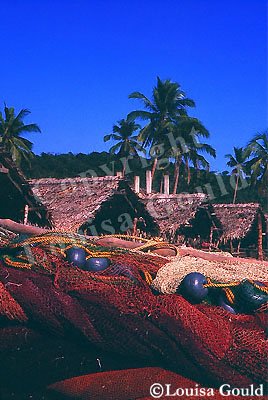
(12,129)
(168,103)
(127,143)
(187,149)
(238,163)
(198,160)
(258,165)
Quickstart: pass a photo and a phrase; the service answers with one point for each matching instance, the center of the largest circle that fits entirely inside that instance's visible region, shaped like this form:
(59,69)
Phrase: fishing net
(135,384)
(59,321)
(171,274)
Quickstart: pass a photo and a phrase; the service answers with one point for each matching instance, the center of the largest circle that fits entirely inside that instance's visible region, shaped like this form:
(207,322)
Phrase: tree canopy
(12,131)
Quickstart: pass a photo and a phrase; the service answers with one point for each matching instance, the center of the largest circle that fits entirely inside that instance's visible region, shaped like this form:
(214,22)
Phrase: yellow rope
(92,253)
(126,237)
(48,242)
(235,283)
(17,264)
(220,285)
(229,295)
(148,243)
(154,245)
(80,241)
(262,288)
(148,277)
(51,239)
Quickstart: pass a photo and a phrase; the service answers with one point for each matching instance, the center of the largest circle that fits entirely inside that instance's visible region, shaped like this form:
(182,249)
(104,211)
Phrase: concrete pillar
(166,184)
(148,182)
(137,184)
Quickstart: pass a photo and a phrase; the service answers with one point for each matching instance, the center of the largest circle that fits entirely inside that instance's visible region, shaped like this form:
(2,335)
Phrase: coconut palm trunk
(176,175)
(154,167)
(124,167)
(236,187)
(188,171)
(238,163)
(260,248)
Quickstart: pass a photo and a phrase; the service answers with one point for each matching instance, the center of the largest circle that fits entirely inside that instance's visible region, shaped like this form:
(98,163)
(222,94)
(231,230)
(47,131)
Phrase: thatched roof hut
(266,236)
(243,228)
(238,220)
(16,193)
(174,212)
(97,205)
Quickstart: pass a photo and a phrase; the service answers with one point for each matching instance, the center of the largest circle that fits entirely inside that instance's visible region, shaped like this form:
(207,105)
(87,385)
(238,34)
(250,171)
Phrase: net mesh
(117,313)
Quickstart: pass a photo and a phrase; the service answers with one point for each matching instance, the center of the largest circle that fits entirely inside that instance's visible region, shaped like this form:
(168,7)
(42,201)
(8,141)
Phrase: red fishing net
(58,321)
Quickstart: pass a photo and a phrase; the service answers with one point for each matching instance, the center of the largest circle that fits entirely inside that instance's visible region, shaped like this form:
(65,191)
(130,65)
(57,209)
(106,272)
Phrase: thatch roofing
(74,201)
(172,211)
(15,193)
(236,220)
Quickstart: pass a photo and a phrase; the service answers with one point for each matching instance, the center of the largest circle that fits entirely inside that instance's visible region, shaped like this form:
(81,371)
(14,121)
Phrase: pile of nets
(171,274)
(59,321)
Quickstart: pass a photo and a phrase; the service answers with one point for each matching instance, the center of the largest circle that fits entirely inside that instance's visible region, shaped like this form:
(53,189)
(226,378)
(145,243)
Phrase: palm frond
(22,114)
(111,136)
(138,95)
(28,128)
(143,115)
(116,147)
(207,148)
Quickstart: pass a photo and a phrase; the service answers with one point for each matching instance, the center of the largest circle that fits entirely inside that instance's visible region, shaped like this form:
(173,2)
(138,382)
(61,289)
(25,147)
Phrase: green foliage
(168,103)
(128,144)
(251,164)
(169,131)
(238,160)
(257,149)
(12,129)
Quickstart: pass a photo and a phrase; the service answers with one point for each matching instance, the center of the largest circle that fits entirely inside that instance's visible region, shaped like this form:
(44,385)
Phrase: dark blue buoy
(250,298)
(223,302)
(97,264)
(258,283)
(76,256)
(192,287)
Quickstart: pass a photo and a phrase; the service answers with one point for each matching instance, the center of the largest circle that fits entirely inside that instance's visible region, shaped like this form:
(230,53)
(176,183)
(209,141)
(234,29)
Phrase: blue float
(249,297)
(97,264)
(76,256)
(258,283)
(192,287)
(223,302)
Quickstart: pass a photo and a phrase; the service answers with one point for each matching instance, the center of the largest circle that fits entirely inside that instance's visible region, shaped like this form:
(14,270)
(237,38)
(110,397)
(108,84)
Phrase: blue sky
(73,64)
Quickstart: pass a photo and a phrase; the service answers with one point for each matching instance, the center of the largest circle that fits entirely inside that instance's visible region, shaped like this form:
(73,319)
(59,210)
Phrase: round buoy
(192,287)
(249,297)
(97,264)
(258,283)
(223,302)
(76,256)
